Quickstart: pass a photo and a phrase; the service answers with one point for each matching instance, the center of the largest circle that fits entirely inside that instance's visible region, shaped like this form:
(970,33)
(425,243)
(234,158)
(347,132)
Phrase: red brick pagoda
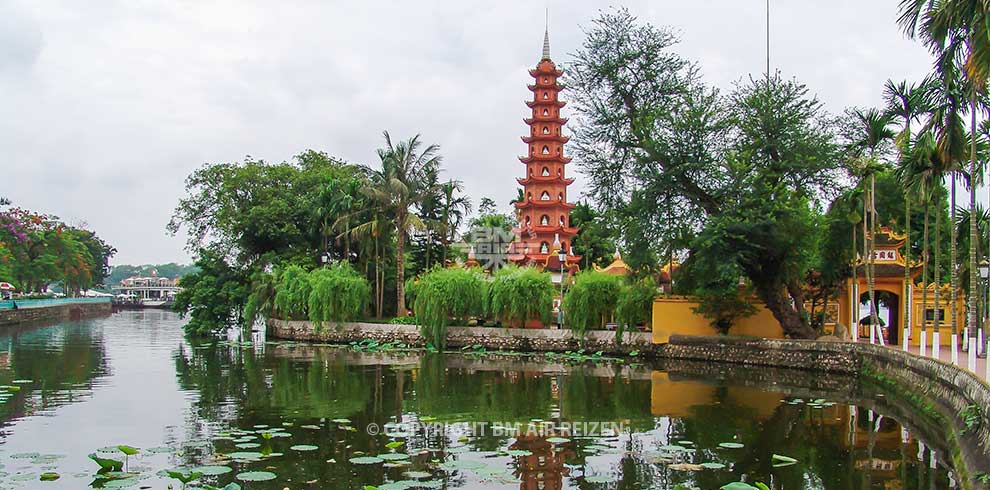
(544,213)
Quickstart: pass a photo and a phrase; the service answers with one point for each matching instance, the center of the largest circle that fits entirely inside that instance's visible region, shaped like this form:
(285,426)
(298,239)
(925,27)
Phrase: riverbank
(29,311)
(955,402)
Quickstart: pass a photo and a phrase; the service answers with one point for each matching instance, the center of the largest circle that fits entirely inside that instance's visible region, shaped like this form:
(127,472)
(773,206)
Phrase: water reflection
(512,422)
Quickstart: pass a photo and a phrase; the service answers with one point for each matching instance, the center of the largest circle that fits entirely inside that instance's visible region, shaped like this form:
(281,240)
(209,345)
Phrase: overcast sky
(108,106)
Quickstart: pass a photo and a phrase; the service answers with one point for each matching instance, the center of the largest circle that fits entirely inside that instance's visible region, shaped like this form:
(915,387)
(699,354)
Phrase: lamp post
(984,268)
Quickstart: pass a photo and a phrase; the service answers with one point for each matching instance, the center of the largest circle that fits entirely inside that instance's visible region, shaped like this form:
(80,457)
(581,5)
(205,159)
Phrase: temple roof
(618,267)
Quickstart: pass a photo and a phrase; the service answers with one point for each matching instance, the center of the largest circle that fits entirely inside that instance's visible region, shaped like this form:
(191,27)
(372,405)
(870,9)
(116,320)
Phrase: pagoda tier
(545,137)
(544,158)
(536,103)
(559,120)
(523,181)
(566,230)
(554,72)
(538,203)
(534,88)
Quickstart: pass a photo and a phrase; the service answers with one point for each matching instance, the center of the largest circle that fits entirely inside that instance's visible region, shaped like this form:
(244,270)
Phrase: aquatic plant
(591,301)
(445,294)
(518,294)
(184,477)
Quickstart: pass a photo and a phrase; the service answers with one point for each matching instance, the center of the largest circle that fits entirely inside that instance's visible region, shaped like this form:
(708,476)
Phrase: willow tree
(519,294)
(445,294)
(746,167)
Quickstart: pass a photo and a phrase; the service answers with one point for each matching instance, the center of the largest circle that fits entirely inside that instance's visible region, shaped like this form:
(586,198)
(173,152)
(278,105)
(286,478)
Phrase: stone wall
(516,339)
(936,390)
(54,313)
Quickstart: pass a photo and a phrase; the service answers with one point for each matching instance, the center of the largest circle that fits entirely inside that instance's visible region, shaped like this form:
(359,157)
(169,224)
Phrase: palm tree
(947,105)
(452,210)
(922,171)
(908,103)
(957,30)
(871,131)
(399,186)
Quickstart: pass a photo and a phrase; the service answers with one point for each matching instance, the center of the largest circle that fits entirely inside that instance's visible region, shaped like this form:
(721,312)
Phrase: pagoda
(544,212)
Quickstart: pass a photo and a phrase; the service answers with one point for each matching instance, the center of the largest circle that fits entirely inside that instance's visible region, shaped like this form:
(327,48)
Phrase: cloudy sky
(107,106)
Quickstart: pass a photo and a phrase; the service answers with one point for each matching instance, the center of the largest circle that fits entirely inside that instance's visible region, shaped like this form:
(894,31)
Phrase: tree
(868,135)
(907,103)
(956,31)
(213,297)
(452,211)
(594,242)
(398,187)
(742,169)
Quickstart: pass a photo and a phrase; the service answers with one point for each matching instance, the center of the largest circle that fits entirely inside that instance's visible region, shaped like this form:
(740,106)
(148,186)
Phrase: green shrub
(443,294)
(591,301)
(292,293)
(403,320)
(518,294)
(635,305)
(337,293)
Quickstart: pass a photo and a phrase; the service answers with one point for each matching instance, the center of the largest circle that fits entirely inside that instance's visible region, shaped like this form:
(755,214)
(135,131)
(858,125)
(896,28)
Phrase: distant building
(152,288)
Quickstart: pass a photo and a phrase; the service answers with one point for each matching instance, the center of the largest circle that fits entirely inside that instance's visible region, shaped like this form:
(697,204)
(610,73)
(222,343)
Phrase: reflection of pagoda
(542,470)
(544,213)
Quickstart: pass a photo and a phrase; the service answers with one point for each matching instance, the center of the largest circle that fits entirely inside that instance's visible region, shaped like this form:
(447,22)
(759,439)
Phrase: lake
(275,415)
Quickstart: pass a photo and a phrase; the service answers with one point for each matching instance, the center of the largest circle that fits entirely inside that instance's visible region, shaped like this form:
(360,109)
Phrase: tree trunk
(937,273)
(854,306)
(400,265)
(874,319)
(924,266)
(973,235)
(953,266)
(906,301)
(779,304)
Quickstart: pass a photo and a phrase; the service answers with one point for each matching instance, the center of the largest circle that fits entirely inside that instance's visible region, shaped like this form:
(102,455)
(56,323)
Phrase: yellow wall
(676,316)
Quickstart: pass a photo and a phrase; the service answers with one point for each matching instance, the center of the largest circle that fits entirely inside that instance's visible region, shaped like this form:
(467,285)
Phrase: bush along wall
(443,295)
(519,294)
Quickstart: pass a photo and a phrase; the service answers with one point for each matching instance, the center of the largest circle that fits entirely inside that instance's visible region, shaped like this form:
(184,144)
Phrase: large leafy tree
(39,250)
(743,170)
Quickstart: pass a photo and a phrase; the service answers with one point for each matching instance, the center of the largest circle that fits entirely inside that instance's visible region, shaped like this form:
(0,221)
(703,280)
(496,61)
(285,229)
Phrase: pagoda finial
(546,37)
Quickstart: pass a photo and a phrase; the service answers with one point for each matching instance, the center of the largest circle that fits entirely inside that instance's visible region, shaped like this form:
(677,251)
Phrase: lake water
(313,417)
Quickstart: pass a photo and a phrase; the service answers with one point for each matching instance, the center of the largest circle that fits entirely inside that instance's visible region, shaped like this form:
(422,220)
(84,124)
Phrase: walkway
(945,354)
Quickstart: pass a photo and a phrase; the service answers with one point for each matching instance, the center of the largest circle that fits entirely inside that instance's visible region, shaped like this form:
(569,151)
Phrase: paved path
(945,354)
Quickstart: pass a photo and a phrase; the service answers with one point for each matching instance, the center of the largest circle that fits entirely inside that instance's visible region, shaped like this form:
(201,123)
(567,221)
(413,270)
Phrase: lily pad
(558,440)
(366,460)
(712,465)
(212,470)
(731,445)
(255,476)
(304,447)
(778,458)
(393,456)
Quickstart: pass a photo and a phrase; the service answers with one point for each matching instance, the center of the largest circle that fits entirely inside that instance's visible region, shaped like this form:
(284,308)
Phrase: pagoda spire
(546,37)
